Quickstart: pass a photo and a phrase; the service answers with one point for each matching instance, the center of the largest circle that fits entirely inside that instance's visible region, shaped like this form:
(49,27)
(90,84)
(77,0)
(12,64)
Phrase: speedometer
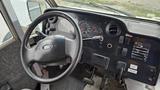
(85,28)
(90,29)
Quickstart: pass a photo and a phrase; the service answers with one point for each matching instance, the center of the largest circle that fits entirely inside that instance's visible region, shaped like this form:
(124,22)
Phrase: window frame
(12,39)
(13,26)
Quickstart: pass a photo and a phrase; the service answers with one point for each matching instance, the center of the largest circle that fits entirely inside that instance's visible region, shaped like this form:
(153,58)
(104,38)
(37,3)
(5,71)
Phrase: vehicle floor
(68,83)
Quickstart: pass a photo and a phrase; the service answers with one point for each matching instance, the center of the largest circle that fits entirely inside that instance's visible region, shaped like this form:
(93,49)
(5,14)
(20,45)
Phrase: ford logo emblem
(48,46)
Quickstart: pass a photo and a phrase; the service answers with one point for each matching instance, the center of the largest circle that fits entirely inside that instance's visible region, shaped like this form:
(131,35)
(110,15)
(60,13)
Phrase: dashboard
(113,41)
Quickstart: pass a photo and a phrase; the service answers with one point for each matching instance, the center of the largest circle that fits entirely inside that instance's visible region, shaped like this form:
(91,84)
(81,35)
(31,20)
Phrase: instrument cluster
(90,29)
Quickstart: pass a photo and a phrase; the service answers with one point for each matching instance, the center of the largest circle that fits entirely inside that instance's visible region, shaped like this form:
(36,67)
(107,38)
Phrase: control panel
(142,57)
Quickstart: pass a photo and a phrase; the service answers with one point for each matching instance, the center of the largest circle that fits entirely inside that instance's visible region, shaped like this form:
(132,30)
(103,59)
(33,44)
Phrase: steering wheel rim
(75,58)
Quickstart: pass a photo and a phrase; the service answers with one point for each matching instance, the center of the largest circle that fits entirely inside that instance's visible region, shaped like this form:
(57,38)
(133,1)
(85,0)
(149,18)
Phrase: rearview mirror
(34,9)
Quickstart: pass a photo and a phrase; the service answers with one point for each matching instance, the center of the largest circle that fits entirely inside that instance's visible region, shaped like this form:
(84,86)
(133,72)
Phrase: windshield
(146,9)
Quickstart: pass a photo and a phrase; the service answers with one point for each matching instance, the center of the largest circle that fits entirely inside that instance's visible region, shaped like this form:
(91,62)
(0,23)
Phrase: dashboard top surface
(134,25)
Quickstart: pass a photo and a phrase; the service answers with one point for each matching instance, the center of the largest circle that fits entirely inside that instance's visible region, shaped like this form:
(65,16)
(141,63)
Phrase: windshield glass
(147,9)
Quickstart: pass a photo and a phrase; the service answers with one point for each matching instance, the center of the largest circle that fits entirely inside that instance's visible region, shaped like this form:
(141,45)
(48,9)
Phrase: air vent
(112,29)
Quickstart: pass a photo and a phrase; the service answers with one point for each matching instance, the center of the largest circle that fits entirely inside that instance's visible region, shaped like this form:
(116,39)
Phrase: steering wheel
(52,49)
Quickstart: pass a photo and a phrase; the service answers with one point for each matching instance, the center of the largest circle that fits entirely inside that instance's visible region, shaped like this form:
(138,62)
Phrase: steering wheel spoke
(70,47)
(29,54)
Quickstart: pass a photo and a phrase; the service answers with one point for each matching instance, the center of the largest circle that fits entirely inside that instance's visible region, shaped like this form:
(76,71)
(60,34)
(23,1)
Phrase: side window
(34,9)
(27,10)
(20,8)
(5,34)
